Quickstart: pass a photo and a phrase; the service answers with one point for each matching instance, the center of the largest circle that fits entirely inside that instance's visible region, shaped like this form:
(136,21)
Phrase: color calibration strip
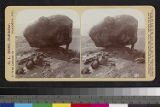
(74,105)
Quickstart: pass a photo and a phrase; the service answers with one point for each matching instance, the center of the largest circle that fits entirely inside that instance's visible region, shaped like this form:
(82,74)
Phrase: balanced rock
(52,31)
(117,31)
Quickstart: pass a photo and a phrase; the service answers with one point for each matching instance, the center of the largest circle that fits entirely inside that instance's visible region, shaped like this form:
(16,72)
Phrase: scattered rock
(140,60)
(25,69)
(91,70)
(25,58)
(98,53)
(44,71)
(40,60)
(87,61)
(35,60)
(112,64)
(40,54)
(94,56)
(57,65)
(96,59)
(105,54)
(30,64)
(22,61)
(112,59)
(89,58)
(75,60)
(46,64)
(95,64)
(102,60)
(47,59)
(31,60)
(33,74)
(20,71)
(85,70)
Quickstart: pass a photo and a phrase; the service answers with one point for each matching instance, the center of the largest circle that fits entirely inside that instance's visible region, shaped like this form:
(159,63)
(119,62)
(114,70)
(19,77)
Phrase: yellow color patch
(61,105)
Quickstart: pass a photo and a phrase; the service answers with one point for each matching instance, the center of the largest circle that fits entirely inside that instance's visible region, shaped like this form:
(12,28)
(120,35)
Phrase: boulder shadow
(60,53)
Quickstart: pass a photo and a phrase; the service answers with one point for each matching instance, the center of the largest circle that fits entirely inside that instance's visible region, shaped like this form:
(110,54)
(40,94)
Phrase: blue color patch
(23,105)
(6,105)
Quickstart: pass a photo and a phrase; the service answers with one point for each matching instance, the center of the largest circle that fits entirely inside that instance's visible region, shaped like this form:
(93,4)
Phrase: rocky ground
(113,62)
(46,63)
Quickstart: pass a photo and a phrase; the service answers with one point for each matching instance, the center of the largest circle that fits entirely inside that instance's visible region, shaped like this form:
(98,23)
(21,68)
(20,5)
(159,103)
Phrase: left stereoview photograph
(47,44)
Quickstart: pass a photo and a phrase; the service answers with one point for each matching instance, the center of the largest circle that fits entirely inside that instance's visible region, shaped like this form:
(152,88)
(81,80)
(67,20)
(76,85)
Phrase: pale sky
(94,16)
(88,19)
(27,17)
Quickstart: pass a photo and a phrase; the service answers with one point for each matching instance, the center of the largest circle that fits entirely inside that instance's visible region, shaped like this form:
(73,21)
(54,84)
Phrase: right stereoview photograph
(113,43)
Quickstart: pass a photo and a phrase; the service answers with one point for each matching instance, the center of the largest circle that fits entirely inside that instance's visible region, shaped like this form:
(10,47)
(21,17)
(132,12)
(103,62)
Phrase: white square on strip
(118,105)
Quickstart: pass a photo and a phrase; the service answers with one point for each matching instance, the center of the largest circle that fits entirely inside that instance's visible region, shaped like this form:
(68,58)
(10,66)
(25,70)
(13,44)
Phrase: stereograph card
(80,43)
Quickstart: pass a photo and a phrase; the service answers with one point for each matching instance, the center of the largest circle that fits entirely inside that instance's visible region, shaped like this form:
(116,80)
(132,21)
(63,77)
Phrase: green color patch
(42,105)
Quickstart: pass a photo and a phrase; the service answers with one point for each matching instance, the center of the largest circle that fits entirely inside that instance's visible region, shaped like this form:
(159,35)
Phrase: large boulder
(115,31)
(52,31)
